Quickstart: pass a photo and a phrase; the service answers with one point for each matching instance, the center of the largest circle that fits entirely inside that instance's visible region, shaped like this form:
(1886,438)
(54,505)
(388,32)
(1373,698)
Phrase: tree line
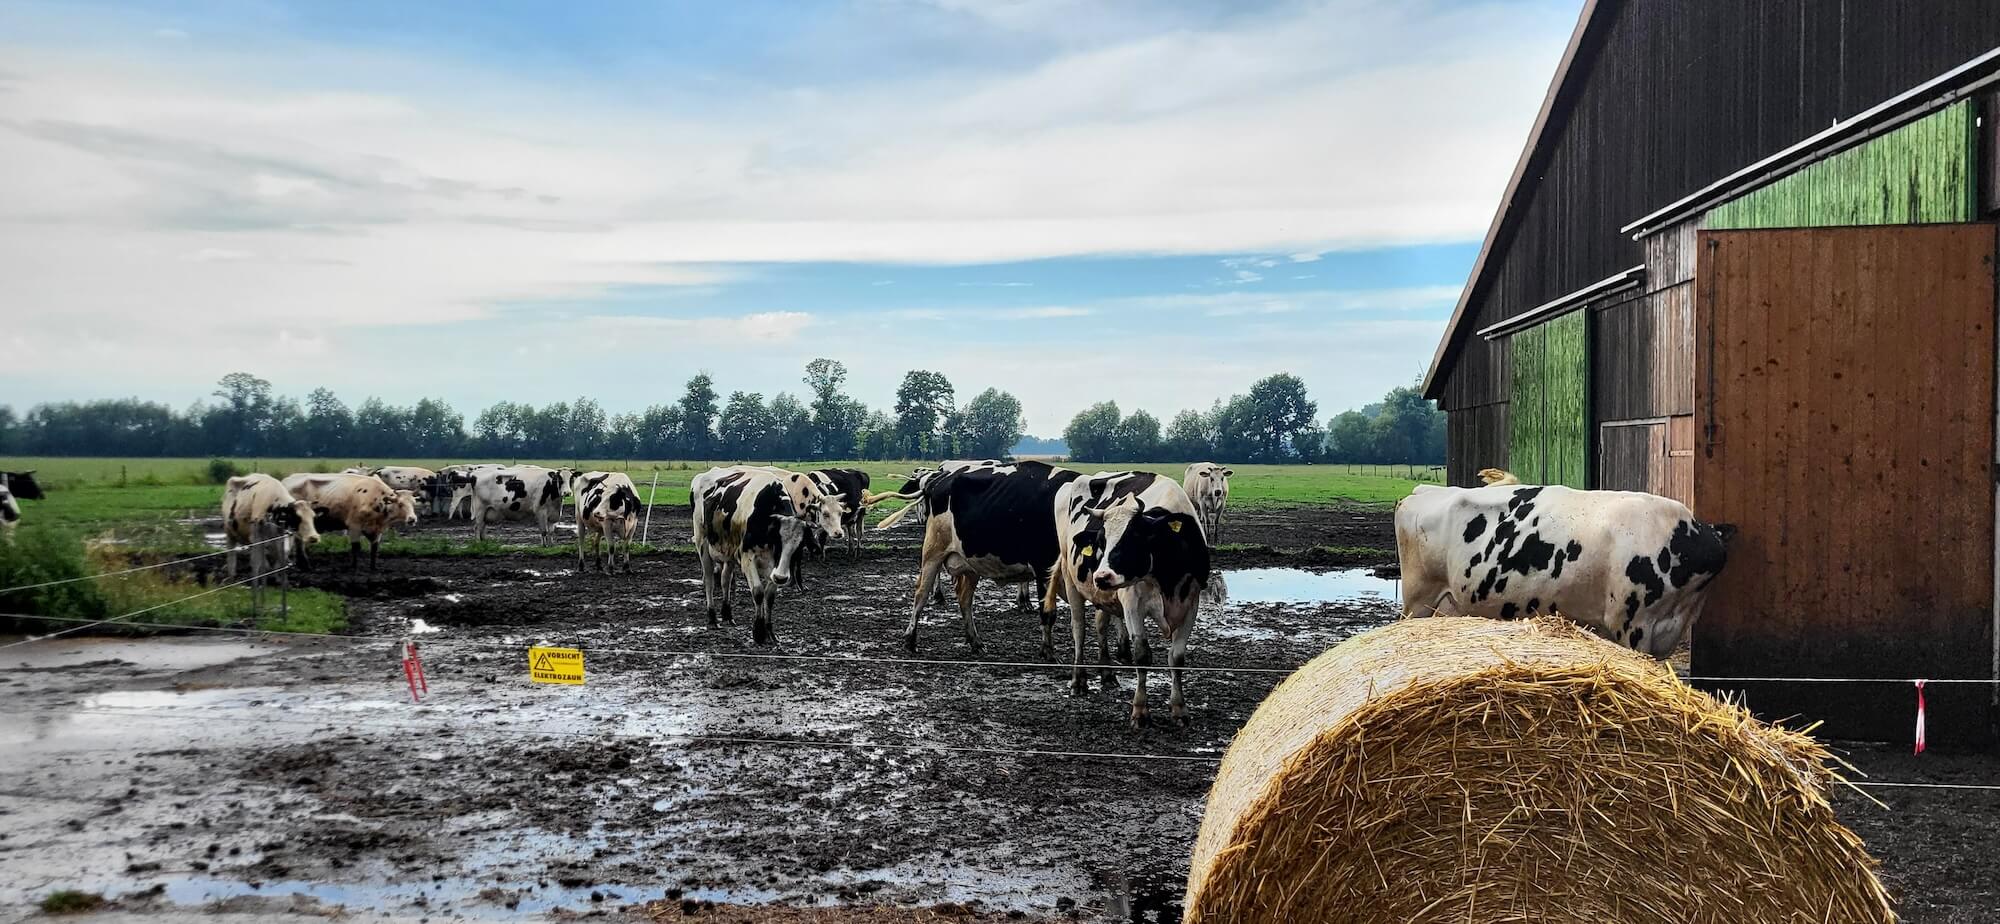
(1274,423)
(244,417)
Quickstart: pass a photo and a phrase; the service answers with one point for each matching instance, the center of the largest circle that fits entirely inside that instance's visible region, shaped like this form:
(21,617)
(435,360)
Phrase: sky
(1152,203)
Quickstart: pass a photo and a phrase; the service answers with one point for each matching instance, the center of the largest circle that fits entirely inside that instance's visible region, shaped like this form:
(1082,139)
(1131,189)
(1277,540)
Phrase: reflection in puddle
(1297,585)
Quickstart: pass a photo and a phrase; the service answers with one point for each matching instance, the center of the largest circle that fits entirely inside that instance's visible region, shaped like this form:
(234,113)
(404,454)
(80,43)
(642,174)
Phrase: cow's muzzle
(1107,580)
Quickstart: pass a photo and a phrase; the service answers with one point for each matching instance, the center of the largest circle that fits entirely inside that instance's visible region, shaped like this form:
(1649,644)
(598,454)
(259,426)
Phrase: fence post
(646,534)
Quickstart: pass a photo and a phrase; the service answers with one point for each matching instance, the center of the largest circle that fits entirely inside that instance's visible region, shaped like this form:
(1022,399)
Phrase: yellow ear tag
(1089,550)
(1175,526)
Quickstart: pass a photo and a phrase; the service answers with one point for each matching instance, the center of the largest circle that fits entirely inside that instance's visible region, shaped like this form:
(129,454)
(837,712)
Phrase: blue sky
(1151,203)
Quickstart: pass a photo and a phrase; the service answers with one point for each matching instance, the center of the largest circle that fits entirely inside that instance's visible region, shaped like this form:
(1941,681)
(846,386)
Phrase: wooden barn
(1746,260)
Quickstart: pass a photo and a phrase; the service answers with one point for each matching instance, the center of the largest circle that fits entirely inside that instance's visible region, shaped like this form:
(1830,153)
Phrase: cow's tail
(893,519)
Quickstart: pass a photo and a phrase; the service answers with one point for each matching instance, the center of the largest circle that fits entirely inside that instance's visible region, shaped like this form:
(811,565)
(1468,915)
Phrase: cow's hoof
(1079,688)
(1048,655)
(1109,681)
(1181,721)
(1139,721)
(976,648)
(910,642)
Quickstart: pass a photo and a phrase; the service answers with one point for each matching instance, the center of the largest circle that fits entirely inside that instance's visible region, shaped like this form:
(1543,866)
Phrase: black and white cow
(21,484)
(1207,485)
(824,514)
(519,492)
(1632,567)
(10,513)
(450,489)
(918,511)
(744,521)
(608,510)
(1132,545)
(850,485)
(994,522)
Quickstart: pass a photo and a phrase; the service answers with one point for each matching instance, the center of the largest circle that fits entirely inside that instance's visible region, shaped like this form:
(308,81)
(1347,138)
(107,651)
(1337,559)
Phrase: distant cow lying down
(1633,567)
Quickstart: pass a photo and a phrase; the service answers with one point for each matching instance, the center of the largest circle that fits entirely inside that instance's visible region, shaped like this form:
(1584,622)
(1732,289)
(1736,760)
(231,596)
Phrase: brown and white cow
(607,509)
(1207,486)
(360,504)
(257,509)
(1132,546)
(1632,567)
(744,521)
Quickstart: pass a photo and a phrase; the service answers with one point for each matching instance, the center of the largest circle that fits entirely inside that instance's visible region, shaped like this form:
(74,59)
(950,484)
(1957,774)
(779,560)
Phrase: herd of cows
(1132,547)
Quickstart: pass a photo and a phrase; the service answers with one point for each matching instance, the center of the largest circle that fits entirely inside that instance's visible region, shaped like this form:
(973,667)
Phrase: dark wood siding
(1672,95)
(1849,435)
(1643,356)
(1478,438)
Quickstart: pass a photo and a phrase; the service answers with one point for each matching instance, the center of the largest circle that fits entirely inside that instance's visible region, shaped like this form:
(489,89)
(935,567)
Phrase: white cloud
(306,194)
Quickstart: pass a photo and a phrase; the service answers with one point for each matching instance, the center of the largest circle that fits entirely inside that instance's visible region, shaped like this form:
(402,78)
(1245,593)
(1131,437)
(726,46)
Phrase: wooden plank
(1854,382)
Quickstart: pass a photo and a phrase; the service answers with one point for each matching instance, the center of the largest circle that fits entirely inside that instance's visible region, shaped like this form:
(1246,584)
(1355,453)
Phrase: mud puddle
(1303,587)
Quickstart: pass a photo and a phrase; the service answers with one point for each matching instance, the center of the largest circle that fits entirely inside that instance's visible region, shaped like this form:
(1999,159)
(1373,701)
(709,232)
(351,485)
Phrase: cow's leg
(927,582)
(1142,653)
(799,570)
(477,512)
(579,546)
(727,577)
(229,561)
(1178,620)
(763,592)
(968,581)
(1106,677)
(353,549)
(708,588)
(374,551)
(1074,597)
(1048,619)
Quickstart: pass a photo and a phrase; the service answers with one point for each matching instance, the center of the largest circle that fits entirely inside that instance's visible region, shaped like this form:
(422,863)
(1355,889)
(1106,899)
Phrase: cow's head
(1086,544)
(21,484)
(1141,543)
(298,517)
(791,534)
(824,513)
(405,510)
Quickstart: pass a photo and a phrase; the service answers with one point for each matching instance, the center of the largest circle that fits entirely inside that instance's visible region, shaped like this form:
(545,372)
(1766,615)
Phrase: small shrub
(71,901)
(221,470)
(40,555)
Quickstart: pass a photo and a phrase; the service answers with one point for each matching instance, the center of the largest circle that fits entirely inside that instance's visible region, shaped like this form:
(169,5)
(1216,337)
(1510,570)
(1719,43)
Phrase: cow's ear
(1228,472)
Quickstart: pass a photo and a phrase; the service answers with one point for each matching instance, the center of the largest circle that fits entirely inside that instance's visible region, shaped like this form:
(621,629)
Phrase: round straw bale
(1475,770)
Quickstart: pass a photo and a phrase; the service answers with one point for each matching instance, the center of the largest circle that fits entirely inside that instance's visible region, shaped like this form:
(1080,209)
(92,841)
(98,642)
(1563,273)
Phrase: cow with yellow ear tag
(1131,545)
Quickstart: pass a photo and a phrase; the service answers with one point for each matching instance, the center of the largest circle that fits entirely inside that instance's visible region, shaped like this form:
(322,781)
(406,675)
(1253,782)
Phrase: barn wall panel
(1849,436)
(1478,438)
(1667,97)
(1921,172)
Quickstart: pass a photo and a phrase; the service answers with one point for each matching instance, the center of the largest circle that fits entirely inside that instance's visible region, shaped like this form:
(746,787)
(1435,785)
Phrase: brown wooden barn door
(1844,422)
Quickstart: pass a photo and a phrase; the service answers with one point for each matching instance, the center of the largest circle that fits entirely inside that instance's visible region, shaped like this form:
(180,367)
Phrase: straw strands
(1474,770)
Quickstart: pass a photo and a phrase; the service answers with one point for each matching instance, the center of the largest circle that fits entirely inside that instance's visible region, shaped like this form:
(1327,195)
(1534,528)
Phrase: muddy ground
(274,776)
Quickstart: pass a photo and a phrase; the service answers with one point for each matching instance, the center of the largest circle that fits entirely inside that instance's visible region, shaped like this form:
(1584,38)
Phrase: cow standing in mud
(743,521)
(823,514)
(1632,567)
(1207,487)
(850,487)
(256,512)
(607,509)
(918,509)
(1132,546)
(362,505)
(519,492)
(992,522)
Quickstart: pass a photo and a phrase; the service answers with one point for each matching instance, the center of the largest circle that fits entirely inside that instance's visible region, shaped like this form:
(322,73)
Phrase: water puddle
(143,654)
(1297,585)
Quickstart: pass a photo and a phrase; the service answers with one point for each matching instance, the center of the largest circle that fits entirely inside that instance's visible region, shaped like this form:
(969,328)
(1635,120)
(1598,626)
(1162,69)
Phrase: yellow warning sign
(555,665)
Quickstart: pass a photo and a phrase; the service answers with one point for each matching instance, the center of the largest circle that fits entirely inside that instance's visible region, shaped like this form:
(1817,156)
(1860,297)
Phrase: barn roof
(1590,27)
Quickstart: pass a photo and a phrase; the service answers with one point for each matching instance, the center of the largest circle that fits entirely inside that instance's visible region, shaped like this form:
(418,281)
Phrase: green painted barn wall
(1567,414)
(1918,174)
(1526,431)
(1549,411)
